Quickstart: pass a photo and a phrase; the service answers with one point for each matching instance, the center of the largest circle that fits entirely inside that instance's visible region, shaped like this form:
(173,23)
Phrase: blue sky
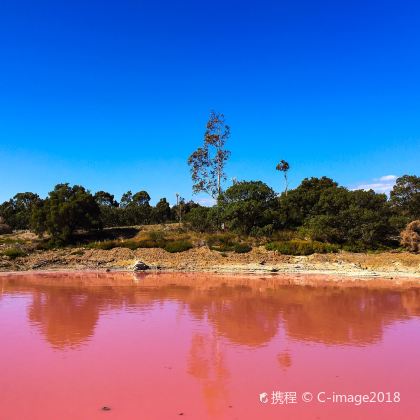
(115,95)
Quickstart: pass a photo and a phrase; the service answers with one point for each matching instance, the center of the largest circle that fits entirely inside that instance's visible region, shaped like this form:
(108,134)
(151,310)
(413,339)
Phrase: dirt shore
(258,261)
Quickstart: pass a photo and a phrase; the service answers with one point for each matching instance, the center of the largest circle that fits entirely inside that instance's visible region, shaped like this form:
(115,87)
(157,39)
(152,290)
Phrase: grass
(152,241)
(178,246)
(242,248)
(11,240)
(297,247)
(14,253)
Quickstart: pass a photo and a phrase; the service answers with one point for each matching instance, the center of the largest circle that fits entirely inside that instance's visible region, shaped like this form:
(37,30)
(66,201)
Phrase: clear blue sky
(115,95)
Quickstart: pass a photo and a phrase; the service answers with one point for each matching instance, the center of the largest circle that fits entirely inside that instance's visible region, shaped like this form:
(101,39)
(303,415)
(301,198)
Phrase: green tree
(208,162)
(359,218)
(105,199)
(126,199)
(284,167)
(248,205)
(202,219)
(299,203)
(110,211)
(405,197)
(17,211)
(162,211)
(66,210)
(136,208)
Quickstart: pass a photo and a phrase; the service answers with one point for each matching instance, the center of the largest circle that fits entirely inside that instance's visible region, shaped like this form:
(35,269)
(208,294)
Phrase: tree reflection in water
(244,310)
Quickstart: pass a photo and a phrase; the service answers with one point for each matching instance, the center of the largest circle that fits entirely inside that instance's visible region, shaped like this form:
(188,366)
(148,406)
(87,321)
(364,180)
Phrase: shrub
(203,219)
(410,236)
(261,232)
(5,229)
(14,253)
(242,248)
(296,247)
(178,246)
(222,242)
(103,245)
(156,235)
(129,244)
(150,243)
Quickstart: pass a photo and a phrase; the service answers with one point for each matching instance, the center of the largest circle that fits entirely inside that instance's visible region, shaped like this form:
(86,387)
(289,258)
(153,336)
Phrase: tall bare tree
(284,166)
(207,163)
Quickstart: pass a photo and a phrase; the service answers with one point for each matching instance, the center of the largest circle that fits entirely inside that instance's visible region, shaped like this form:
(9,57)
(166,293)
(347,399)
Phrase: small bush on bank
(178,246)
(14,253)
(150,243)
(157,236)
(222,242)
(242,248)
(410,236)
(106,245)
(4,229)
(296,247)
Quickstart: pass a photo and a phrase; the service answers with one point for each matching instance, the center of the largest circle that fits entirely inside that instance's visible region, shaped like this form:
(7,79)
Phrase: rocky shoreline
(258,261)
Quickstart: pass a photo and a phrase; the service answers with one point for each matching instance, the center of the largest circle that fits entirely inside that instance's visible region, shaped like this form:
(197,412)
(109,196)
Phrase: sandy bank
(258,261)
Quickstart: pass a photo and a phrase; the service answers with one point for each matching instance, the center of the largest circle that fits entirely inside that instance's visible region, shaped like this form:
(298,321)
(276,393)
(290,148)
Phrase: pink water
(204,347)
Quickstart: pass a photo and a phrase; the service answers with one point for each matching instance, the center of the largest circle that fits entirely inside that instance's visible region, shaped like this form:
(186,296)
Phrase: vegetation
(298,247)
(318,210)
(207,163)
(242,248)
(4,228)
(317,216)
(178,246)
(284,167)
(14,253)
(410,236)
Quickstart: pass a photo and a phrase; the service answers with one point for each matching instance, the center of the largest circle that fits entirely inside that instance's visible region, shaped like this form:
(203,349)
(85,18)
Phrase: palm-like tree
(284,166)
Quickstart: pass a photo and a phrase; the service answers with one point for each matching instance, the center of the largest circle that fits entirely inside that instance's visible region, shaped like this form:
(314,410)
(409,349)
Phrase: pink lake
(199,346)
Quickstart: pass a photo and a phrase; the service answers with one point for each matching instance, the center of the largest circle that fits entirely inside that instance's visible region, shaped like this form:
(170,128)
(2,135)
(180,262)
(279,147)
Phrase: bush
(14,253)
(203,219)
(410,236)
(296,247)
(242,248)
(261,232)
(178,246)
(5,229)
(102,245)
(222,242)
(150,243)
(156,235)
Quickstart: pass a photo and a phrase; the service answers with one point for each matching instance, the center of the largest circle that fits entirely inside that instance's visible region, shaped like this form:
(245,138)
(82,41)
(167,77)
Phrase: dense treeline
(68,209)
(318,209)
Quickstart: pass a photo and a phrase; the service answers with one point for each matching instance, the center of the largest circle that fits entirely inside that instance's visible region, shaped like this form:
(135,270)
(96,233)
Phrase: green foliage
(17,211)
(405,197)
(14,253)
(248,205)
(222,242)
(207,162)
(161,213)
(203,219)
(156,235)
(106,245)
(351,217)
(298,204)
(66,210)
(296,247)
(178,246)
(11,240)
(242,248)
(151,243)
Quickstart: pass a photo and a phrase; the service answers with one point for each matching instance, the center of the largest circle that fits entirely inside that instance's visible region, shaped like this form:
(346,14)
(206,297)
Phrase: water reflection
(246,311)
